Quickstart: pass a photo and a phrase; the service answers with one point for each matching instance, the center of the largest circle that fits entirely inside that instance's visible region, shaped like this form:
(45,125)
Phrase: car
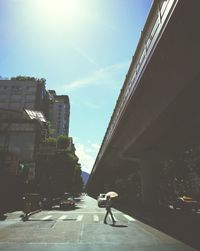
(101,200)
(67,202)
(186,203)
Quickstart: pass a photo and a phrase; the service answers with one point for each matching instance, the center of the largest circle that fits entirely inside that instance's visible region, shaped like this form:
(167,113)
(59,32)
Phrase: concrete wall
(16,95)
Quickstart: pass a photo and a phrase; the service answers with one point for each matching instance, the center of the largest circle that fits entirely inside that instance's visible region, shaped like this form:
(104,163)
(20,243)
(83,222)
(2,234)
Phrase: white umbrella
(112,194)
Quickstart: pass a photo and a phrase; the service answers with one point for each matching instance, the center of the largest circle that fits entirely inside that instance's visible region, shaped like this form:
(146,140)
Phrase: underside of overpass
(162,116)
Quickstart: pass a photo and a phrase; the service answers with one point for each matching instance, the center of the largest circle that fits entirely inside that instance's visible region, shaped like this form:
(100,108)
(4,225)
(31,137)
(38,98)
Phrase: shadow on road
(181,225)
(2,217)
(115,225)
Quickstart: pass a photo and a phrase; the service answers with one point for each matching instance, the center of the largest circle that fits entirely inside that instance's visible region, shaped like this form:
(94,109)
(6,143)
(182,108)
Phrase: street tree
(63,142)
(59,172)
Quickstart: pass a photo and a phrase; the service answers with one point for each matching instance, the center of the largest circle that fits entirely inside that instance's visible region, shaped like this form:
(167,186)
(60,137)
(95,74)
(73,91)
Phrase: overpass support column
(149,172)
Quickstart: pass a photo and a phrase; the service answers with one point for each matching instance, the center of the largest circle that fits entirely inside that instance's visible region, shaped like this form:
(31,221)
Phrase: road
(183,225)
(82,229)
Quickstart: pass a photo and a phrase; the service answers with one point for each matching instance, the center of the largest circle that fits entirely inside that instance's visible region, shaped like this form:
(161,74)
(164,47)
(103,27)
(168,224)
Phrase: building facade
(21,93)
(21,132)
(59,112)
(24,94)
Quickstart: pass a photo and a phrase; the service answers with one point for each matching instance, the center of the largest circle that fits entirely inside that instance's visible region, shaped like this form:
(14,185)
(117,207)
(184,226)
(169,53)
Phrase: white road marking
(63,217)
(47,217)
(129,218)
(95,218)
(82,206)
(113,217)
(79,218)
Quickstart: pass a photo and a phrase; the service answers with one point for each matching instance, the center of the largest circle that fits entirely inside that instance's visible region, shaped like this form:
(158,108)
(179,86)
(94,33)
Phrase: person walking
(108,210)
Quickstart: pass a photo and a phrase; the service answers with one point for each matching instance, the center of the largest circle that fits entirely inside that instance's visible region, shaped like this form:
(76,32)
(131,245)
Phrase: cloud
(87,155)
(96,147)
(91,105)
(83,54)
(106,76)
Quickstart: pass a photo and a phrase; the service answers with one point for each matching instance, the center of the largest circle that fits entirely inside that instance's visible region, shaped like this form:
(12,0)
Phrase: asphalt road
(183,225)
(82,229)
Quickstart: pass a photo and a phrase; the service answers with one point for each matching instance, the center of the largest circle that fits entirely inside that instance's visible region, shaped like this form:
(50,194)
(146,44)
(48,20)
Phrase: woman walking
(108,209)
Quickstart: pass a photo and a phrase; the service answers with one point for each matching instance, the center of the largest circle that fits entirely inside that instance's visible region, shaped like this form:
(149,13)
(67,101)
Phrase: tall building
(59,112)
(29,93)
(21,93)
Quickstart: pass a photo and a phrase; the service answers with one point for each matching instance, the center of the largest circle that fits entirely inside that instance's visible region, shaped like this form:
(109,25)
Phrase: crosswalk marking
(129,218)
(95,218)
(47,217)
(83,206)
(63,217)
(79,218)
(113,217)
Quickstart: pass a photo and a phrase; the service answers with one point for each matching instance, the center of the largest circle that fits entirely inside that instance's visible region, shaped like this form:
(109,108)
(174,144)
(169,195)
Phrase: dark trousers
(108,211)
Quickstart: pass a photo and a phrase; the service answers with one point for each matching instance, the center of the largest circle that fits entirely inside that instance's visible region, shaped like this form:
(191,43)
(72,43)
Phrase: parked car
(101,200)
(67,202)
(186,203)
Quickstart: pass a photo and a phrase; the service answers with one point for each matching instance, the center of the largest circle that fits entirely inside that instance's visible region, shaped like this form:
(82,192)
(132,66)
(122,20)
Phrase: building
(59,112)
(29,93)
(21,133)
(24,93)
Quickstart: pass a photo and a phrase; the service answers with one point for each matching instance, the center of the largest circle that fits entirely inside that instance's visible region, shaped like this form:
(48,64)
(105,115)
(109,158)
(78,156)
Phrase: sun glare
(60,6)
(60,19)
(67,9)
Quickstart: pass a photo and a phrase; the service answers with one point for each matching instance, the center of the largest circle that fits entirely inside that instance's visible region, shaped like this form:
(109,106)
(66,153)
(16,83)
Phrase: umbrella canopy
(112,194)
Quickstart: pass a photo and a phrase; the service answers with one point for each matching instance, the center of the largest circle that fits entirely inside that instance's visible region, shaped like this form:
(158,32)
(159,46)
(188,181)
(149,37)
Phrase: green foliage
(63,142)
(60,172)
(78,169)
(78,180)
(181,175)
(51,141)
(50,129)
(27,78)
(72,158)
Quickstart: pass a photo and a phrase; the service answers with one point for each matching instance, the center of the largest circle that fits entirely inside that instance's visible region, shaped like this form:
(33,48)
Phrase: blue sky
(83,48)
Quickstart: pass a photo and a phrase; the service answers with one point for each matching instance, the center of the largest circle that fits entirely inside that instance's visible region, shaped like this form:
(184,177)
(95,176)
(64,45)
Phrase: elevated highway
(157,112)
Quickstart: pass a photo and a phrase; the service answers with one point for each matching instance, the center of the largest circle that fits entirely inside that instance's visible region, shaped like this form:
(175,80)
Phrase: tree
(50,141)
(78,180)
(63,142)
(25,78)
(50,129)
(60,172)
(180,175)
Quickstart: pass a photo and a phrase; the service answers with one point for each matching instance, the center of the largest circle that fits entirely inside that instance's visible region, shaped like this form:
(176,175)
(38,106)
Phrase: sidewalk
(183,226)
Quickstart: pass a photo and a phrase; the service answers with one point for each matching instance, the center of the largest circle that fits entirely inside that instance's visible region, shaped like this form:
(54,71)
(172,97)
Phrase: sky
(83,48)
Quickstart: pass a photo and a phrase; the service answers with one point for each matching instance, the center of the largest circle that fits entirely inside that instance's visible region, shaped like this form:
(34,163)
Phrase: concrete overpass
(157,112)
